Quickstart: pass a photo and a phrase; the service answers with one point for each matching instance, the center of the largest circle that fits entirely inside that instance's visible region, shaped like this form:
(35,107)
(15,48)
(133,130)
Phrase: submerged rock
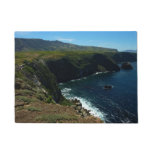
(126,66)
(108,87)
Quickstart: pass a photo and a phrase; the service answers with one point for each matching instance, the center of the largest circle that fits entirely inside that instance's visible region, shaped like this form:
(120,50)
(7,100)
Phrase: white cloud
(65,39)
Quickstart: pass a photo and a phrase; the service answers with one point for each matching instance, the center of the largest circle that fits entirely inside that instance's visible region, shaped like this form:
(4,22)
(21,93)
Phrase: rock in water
(126,66)
(108,87)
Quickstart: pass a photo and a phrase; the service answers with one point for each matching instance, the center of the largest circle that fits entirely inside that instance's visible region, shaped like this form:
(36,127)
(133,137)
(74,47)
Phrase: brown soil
(40,112)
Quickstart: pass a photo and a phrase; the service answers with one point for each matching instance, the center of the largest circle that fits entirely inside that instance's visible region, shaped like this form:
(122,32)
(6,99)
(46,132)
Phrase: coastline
(38,79)
(82,110)
(94,111)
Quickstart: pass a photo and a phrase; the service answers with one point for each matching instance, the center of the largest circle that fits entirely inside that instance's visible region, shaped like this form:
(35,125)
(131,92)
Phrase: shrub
(50,100)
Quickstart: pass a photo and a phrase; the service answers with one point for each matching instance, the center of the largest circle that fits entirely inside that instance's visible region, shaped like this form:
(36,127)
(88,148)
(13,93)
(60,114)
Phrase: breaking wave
(66,92)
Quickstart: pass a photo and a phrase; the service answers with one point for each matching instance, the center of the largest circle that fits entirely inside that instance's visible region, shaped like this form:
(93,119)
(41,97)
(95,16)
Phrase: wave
(101,72)
(97,73)
(66,92)
(93,110)
(83,78)
(60,83)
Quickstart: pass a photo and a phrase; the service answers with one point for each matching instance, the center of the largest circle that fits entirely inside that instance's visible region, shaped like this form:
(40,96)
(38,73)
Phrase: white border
(86,15)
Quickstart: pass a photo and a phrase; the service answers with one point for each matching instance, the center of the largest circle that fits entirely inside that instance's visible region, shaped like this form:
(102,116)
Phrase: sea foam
(66,92)
(93,110)
(83,78)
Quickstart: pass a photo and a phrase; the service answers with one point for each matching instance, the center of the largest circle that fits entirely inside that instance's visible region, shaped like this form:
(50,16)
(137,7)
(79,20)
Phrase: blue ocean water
(116,105)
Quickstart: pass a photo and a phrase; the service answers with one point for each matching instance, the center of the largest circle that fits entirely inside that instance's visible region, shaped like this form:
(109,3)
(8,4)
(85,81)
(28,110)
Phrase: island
(38,73)
(126,66)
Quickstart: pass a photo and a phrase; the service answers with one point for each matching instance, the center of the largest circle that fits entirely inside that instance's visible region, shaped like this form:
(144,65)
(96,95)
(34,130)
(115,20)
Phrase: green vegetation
(66,103)
(37,74)
(27,99)
(24,92)
(24,99)
(50,100)
(53,118)
(41,96)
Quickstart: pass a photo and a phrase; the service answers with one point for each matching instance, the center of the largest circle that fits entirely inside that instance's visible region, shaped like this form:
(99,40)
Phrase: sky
(121,40)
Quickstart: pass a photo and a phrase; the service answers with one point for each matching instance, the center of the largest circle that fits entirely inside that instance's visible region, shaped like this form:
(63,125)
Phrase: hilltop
(22,44)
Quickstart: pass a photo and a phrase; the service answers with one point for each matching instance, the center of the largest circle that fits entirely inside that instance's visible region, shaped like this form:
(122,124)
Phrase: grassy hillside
(37,74)
(44,45)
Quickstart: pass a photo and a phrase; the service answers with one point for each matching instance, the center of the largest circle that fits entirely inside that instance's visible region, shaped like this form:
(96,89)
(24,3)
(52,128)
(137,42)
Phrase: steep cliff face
(106,62)
(39,99)
(37,75)
(46,78)
(65,69)
(124,57)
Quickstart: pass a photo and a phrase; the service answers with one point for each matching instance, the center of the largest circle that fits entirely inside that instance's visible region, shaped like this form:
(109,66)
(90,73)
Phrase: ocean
(116,105)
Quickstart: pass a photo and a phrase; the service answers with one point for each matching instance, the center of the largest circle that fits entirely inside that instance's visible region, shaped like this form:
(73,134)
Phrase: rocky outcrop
(79,109)
(126,66)
(107,87)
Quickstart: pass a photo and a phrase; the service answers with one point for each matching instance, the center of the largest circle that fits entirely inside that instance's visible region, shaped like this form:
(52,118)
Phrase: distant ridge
(133,51)
(22,44)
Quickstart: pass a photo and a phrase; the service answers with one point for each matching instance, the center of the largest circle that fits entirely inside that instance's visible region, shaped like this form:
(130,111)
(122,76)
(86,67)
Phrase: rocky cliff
(66,69)
(38,98)
(37,95)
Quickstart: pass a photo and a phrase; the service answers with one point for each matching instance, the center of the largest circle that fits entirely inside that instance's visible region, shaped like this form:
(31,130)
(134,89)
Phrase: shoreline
(93,110)
(85,77)
(81,110)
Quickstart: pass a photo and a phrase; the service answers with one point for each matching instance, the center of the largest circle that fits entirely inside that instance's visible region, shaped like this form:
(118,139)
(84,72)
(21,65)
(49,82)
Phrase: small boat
(108,87)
